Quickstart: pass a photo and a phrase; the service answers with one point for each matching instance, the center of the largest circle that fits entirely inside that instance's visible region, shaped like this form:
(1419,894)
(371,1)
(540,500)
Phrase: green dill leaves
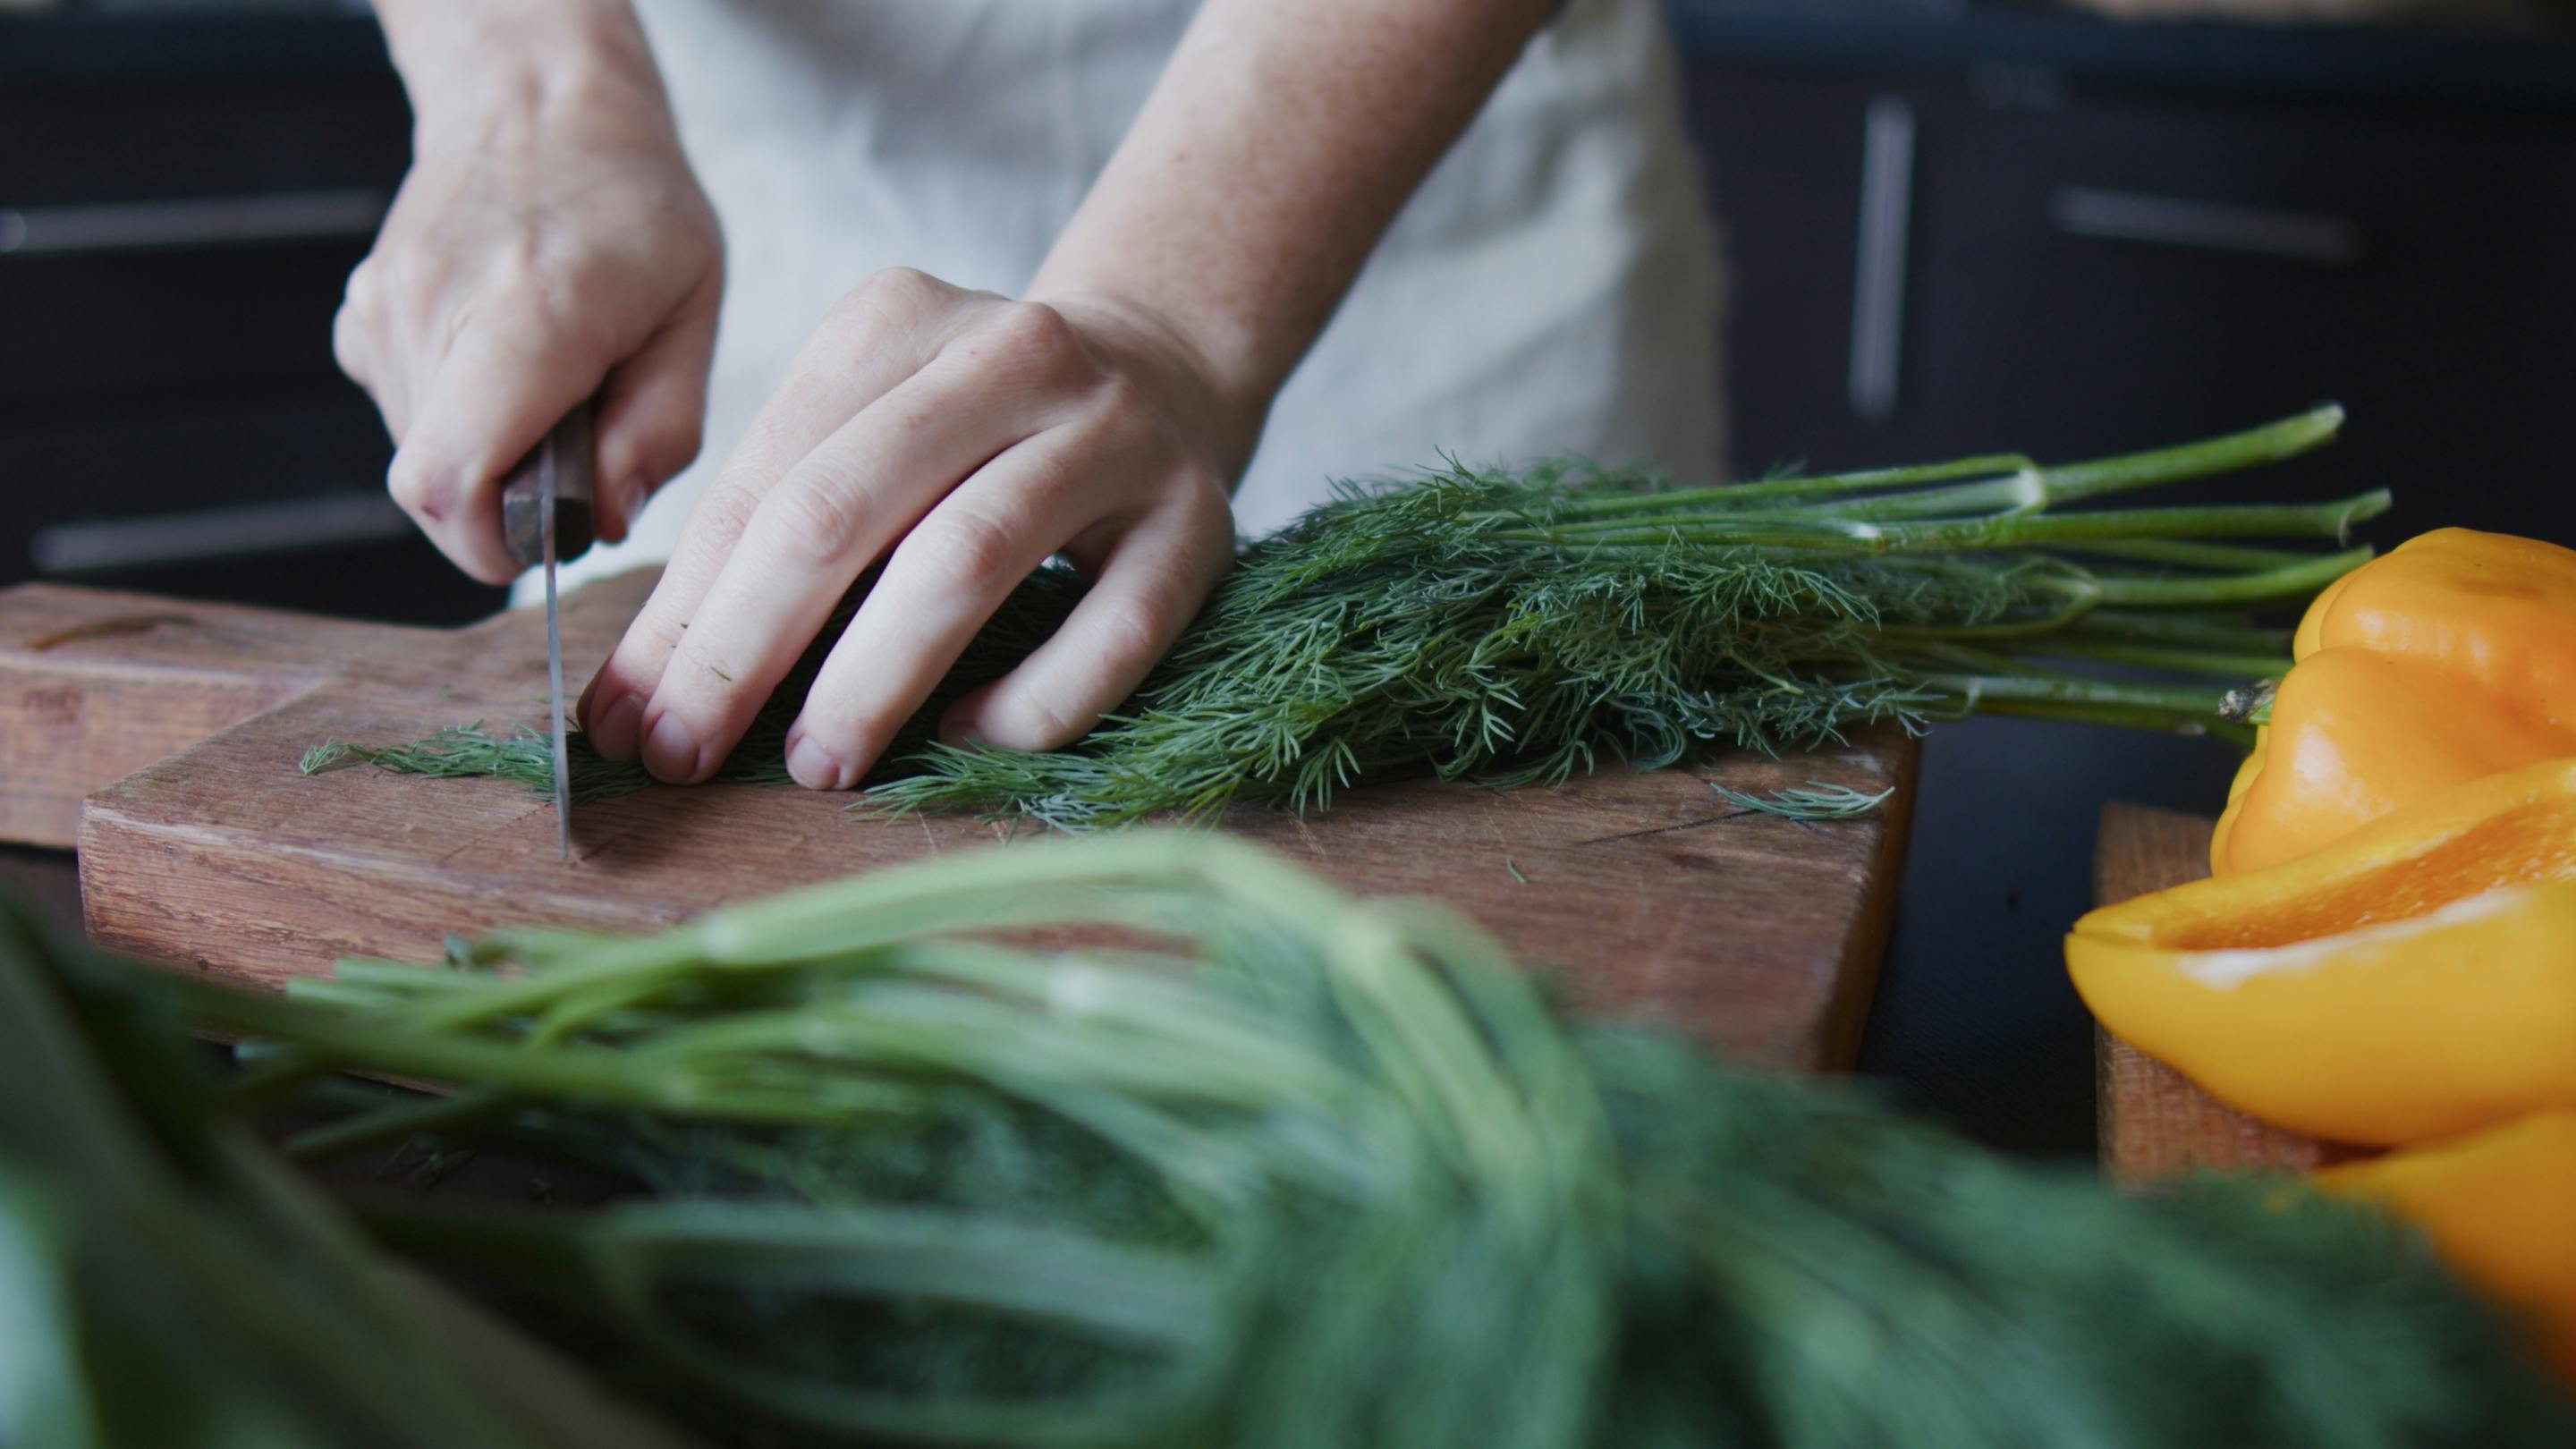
(1816,800)
(327,754)
(1521,626)
(524,754)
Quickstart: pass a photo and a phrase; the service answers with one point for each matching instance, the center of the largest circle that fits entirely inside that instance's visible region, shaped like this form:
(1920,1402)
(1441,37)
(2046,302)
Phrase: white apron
(1552,289)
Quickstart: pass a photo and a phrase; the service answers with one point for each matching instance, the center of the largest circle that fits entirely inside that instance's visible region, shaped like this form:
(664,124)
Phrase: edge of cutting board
(2154,1122)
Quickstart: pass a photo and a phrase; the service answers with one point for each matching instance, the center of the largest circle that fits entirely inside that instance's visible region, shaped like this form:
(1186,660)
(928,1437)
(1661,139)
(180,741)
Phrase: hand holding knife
(546,516)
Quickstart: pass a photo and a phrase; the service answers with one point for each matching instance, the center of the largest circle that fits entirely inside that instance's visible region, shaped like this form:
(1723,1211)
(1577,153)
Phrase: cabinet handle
(197,221)
(1878,285)
(2211,225)
(213,534)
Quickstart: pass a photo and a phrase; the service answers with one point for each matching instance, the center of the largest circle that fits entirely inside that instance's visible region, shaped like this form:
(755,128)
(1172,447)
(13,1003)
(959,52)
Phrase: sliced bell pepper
(2414,980)
(2500,1206)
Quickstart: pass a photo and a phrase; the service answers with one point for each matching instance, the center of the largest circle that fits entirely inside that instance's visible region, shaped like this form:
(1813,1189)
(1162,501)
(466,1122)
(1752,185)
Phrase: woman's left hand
(963,438)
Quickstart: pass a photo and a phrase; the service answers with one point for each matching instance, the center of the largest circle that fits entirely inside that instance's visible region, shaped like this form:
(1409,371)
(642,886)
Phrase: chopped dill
(1815,801)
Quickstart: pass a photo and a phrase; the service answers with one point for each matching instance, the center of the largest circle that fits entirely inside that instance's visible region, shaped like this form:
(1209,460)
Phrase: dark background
(2392,210)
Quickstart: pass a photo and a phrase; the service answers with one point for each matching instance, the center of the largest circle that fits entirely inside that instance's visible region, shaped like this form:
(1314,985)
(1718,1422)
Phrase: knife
(546,515)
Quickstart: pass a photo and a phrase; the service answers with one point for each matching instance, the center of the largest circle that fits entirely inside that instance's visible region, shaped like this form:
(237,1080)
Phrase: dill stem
(1959,656)
(2221,632)
(800,922)
(1825,534)
(671,954)
(2287,581)
(2026,486)
(2124,717)
(598,1075)
(2238,667)
(2033,490)
(1988,691)
(2269,443)
(2194,553)
(1727,496)
(2079,621)
(942,1030)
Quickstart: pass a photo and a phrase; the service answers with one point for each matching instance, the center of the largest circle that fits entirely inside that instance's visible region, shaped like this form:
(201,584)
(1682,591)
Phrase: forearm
(504,73)
(1276,149)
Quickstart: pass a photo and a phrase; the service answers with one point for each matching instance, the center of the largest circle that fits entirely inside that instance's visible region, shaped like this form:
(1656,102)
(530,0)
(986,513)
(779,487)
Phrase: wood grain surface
(95,685)
(1760,935)
(2154,1122)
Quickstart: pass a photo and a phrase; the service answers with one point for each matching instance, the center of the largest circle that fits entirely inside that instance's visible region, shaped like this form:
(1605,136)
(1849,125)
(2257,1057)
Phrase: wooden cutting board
(162,737)
(2154,1122)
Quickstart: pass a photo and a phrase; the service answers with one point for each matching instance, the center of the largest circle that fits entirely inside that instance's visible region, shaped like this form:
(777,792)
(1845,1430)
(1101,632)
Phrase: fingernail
(615,736)
(630,500)
(813,766)
(671,752)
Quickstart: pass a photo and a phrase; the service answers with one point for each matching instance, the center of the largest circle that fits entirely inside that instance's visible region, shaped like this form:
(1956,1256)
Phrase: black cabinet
(173,242)
(2082,270)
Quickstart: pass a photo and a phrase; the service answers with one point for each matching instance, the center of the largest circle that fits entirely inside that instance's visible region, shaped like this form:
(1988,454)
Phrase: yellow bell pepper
(2412,981)
(2500,1206)
(2452,658)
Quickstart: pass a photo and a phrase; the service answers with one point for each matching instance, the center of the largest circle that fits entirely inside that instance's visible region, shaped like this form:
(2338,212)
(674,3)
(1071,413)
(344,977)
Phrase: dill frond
(1519,626)
(1815,801)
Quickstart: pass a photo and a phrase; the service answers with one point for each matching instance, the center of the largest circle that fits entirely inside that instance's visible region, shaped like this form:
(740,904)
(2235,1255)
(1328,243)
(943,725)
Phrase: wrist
(1216,396)
(485,76)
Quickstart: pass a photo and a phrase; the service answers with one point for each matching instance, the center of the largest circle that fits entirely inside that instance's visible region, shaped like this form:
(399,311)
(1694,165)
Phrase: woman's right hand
(548,244)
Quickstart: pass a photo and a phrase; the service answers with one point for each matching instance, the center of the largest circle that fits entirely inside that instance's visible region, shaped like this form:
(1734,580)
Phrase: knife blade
(546,515)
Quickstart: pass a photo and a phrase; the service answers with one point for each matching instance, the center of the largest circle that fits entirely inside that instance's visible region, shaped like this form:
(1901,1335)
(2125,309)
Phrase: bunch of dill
(1519,626)
(1287,1168)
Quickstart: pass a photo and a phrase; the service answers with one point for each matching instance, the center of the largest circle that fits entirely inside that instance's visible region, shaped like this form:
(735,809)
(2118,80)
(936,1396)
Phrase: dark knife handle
(523,521)
(519,518)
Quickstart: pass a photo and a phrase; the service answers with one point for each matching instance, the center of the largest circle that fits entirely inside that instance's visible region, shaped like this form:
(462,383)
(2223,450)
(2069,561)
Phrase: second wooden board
(2154,1122)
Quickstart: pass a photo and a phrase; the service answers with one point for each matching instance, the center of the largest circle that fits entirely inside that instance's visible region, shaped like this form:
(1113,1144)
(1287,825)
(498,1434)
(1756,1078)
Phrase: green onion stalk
(1518,626)
(1156,1139)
